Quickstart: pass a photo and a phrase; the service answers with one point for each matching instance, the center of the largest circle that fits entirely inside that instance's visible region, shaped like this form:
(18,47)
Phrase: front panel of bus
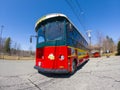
(51,49)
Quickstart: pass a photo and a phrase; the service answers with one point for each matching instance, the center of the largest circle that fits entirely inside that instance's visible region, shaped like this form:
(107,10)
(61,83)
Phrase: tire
(73,68)
(39,71)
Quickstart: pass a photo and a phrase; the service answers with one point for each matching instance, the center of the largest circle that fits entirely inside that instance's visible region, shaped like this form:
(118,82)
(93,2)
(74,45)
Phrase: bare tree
(18,49)
(2,42)
(30,50)
(15,48)
(108,44)
(100,39)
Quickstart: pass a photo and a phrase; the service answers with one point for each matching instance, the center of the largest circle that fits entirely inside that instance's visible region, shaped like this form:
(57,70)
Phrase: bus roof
(53,15)
(50,16)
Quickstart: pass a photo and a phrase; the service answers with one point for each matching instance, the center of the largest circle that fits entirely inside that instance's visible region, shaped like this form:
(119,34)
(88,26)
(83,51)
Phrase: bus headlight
(61,57)
(51,56)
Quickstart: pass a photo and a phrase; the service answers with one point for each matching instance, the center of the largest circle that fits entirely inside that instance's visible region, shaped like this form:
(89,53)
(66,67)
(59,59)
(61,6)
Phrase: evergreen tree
(109,44)
(7,45)
(118,48)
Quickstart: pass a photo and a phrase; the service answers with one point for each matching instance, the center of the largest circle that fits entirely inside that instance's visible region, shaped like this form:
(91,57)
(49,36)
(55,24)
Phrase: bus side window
(72,51)
(79,53)
(69,27)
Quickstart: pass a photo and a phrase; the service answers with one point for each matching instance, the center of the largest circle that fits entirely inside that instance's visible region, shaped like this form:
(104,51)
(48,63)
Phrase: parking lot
(97,74)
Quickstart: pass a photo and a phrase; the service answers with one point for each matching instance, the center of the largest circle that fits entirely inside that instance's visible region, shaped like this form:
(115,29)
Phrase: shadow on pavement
(66,75)
(82,65)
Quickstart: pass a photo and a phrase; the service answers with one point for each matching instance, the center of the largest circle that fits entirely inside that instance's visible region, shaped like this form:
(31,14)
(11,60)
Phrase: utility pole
(1,38)
(1,30)
(89,35)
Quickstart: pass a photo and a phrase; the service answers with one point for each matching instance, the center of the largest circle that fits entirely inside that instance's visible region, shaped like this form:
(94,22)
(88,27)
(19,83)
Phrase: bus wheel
(39,71)
(73,67)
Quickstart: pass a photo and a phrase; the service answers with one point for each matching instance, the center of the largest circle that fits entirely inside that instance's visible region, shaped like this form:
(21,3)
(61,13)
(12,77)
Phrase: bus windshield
(51,31)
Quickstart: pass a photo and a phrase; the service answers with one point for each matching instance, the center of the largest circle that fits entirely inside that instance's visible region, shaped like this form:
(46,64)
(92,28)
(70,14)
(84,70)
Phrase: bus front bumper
(51,70)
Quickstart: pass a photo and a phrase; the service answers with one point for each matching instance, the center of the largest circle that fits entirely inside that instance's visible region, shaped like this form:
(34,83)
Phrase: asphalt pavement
(97,74)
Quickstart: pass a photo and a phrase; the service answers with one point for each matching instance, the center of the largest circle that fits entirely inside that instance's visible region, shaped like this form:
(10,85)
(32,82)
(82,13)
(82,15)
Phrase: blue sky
(19,17)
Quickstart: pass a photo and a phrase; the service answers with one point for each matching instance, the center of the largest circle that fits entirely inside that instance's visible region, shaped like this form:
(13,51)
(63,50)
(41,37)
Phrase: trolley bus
(60,47)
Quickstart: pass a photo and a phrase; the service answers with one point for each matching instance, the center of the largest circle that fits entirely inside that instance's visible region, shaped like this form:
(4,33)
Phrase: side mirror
(30,39)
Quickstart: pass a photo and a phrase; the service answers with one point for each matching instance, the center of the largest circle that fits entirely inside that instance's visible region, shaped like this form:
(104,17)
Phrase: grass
(110,54)
(13,57)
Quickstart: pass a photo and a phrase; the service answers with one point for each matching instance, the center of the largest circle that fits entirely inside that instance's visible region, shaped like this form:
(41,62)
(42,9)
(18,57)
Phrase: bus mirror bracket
(32,37)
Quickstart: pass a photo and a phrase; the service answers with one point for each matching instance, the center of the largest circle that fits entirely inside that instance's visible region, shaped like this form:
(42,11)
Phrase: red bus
(60,48)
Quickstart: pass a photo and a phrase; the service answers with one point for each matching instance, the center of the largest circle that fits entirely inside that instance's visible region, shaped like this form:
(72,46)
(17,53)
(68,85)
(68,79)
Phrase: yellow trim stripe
(72,56)
(81,56)
(81,50)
